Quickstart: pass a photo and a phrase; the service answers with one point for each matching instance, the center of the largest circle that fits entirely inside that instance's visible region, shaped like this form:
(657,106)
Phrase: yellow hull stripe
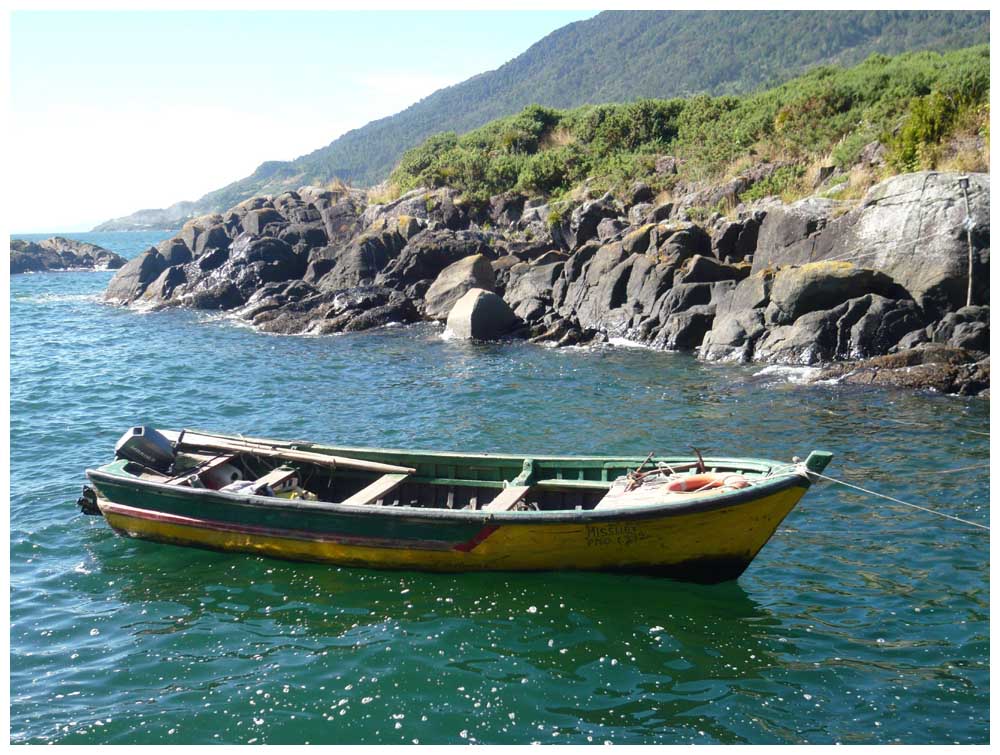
(737,532)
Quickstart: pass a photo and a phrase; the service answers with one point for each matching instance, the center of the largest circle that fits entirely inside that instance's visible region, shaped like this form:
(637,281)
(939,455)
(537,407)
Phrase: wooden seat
(508,498)
(376,490)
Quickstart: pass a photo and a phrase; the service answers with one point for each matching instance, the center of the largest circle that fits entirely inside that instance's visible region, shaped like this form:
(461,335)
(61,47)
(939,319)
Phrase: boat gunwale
(302,445)
(711,502)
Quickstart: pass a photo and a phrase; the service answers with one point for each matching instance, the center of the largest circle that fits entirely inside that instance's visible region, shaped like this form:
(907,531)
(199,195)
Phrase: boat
(685,517)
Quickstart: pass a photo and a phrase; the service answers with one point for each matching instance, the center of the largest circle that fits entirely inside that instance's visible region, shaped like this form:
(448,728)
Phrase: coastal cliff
(812,282)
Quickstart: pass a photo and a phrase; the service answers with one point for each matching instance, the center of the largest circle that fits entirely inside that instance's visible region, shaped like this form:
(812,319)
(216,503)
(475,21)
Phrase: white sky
(112,112)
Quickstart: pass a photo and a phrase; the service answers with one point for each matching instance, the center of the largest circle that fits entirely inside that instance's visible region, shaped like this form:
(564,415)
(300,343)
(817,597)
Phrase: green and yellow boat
(689,518)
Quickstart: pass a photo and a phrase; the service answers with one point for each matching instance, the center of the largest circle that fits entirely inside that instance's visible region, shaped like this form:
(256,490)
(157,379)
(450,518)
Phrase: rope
(896,500)
(947,471)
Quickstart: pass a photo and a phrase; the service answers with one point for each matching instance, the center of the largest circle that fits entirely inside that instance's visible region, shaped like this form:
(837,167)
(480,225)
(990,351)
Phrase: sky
(111,112)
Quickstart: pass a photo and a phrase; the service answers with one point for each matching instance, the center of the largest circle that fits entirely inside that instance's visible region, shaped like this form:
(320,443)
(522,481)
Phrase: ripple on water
(860,622)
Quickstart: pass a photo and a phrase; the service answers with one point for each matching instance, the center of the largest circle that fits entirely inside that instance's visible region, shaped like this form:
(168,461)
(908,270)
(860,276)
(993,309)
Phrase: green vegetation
(912,103)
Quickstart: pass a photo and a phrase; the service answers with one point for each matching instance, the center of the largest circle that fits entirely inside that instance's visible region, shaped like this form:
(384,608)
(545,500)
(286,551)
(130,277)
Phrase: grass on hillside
(929,110)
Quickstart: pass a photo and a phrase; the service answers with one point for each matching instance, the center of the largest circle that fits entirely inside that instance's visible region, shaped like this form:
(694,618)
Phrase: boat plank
(378,489)
(507,499)
(196,440)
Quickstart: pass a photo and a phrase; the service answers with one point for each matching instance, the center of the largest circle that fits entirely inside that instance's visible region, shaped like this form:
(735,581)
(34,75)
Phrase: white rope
(896,500)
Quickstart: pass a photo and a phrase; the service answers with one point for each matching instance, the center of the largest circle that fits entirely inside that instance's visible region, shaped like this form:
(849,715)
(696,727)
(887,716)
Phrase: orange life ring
(708,481)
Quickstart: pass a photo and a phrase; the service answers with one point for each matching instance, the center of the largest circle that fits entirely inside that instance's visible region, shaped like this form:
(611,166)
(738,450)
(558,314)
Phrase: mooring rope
(896,500)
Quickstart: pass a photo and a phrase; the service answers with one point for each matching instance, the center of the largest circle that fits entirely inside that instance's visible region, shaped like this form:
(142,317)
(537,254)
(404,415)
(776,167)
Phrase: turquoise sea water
(860,622)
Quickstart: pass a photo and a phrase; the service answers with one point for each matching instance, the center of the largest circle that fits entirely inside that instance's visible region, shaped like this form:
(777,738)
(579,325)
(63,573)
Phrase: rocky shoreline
(815,282)
(59,254)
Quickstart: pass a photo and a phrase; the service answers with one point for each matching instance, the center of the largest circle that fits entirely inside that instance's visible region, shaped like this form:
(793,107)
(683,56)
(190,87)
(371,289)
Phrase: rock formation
(58,254)
(813,282)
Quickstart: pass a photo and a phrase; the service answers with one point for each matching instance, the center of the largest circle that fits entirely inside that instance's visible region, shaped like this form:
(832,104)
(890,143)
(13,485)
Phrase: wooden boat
(686,518)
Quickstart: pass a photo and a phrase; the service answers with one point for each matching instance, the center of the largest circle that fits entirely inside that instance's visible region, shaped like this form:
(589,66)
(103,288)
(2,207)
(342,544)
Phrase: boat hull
(697,543)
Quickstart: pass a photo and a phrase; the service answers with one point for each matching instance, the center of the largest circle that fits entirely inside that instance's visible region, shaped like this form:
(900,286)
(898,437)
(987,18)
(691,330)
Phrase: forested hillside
(619,56)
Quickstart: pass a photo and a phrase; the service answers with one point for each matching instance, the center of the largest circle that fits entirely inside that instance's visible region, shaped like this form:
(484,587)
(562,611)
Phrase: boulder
(131,280)
(454,281)
(858,328)
(610,229)
(585,218)
(684,331)
(256,221)
(297,308)
(175,251)
(506,209)
(529,291)
(481,315)
(701,269)
(822,285)
(967,328)
(910,227)
(428,253)
(679,241)
(737,239)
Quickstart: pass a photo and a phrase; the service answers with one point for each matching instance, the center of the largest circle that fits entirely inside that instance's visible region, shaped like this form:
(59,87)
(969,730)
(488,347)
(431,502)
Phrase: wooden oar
(196,440)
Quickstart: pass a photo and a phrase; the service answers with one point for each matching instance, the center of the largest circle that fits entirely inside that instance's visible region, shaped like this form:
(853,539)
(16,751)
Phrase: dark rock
(637,241)
(430,252)
(639,193)
(175,251)
(213,259)
(660,213)
(822,174)
(256,221)
(872,155)
(297,307)
(193,229)
(646,284)
(733,336)
(966,328)
(161,291)
(58,253)
(684,331)
(214,295)
(945,369)
(701,269)
(857,328)
(679,241)
(131,280)
(506,209)
(639,214)
(610,229)
(336,268)
(530,288)
(822,285)
(600,287)
(311,236)
(736,240)
(502,267)
(583,222)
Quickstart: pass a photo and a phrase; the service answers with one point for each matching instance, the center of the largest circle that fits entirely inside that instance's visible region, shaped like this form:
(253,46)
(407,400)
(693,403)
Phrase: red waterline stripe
(484,533)
(247,529)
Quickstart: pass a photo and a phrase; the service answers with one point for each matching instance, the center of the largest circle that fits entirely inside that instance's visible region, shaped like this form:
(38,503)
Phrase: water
(860,622)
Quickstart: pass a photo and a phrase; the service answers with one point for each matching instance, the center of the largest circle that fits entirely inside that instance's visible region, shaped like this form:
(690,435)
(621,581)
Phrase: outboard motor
(148,447)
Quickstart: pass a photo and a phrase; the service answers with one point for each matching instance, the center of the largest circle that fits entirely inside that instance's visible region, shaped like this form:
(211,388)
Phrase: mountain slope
(617,56)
